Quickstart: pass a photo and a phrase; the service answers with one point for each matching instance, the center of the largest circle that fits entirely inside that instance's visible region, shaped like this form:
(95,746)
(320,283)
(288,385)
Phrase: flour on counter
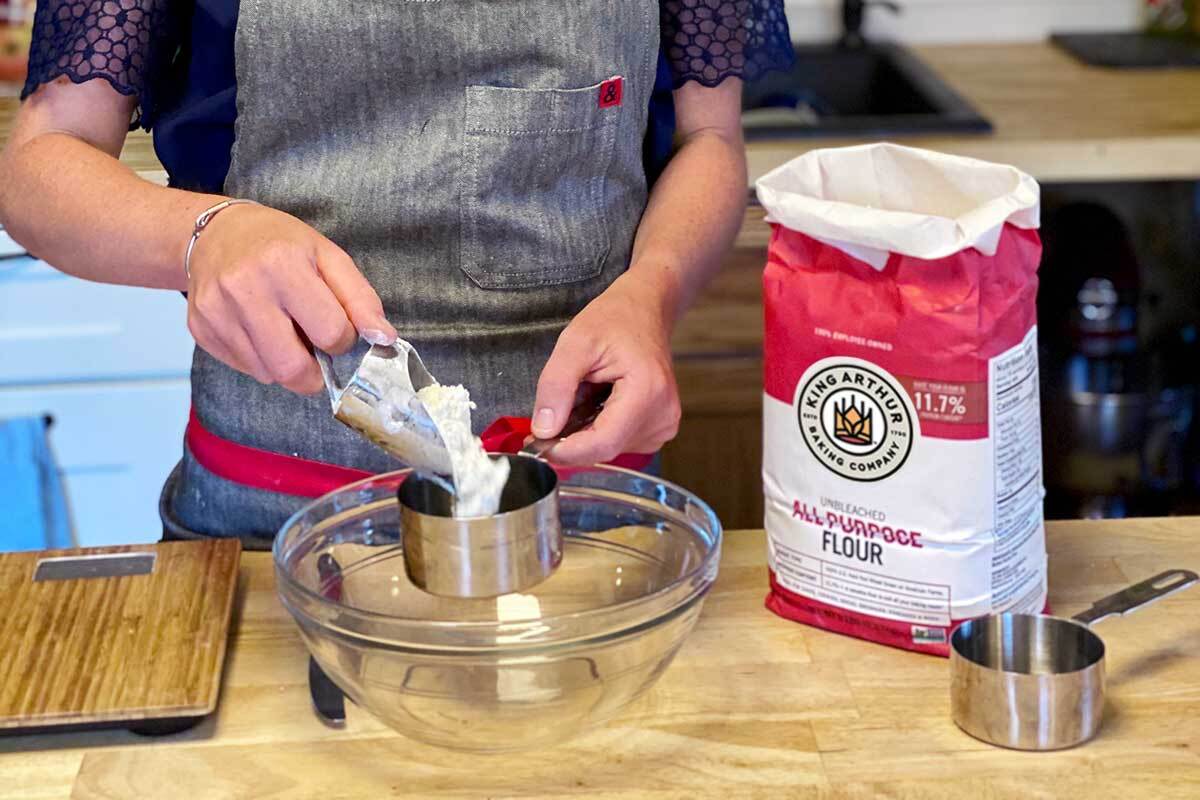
(478,480)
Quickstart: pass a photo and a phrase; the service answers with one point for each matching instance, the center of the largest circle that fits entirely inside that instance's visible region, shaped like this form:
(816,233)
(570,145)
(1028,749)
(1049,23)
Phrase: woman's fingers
(216,329)
(606,437)
(289,361)
(208,340)
(264,285)
(354,293)
(570,363)
(262,344)
(311,303)
(636,419)
(237,341)
(616,340)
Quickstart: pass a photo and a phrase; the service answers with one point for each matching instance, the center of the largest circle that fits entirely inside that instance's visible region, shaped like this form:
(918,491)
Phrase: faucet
(853,12)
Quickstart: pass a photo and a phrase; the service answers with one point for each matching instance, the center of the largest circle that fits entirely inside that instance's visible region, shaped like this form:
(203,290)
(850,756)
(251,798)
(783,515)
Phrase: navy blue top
(177,58)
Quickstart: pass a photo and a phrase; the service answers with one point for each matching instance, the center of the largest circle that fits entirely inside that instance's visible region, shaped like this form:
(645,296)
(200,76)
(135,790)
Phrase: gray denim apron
(460,151)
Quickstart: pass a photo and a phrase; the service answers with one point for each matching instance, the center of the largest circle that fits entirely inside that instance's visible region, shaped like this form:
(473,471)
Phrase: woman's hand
(623,338)
(260,278)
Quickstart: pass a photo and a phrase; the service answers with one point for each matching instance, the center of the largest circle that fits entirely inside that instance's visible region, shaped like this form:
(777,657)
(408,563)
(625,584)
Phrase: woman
(468,171)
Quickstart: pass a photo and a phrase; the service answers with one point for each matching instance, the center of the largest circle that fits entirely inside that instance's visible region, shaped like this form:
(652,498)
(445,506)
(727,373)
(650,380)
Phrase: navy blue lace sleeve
(120,41)
(711,40)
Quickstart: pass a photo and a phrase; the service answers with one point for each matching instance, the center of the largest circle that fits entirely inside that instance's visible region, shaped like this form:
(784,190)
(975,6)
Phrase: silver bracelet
(202,221)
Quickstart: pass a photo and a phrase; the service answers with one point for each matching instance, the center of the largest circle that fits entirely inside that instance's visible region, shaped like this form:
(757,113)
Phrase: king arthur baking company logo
(855,418)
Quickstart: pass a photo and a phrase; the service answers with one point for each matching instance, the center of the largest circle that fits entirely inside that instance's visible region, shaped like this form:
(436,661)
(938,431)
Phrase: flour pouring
(394,401)
(478,479)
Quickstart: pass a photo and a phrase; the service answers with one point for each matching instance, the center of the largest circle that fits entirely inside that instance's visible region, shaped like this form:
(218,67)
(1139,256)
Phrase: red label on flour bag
(902,440)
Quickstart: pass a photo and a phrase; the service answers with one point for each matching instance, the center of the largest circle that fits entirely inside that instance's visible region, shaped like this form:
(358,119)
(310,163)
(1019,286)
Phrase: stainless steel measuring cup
(506,552)
(1036,682)
(510,551)
(380,402)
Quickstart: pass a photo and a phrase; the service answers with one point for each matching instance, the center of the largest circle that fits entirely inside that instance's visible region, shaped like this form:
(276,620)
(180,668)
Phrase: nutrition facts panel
(860,590)
(1017,439)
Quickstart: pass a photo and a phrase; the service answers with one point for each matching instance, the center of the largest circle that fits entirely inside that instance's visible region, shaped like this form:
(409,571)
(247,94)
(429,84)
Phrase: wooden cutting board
(130,636)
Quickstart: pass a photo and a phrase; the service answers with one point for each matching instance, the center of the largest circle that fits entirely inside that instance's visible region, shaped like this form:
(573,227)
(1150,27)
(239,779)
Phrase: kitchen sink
(875,90)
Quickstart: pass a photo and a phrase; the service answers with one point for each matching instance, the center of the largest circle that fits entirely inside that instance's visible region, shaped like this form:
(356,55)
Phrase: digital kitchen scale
(114,637)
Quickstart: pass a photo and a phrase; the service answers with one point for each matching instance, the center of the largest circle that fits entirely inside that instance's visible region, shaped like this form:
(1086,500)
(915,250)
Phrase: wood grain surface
(119,648)
(753,707)
(718,452)
(1055,117)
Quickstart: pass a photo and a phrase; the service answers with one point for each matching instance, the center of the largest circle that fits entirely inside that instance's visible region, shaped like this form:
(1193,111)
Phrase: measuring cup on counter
(507,552)
(1036,682)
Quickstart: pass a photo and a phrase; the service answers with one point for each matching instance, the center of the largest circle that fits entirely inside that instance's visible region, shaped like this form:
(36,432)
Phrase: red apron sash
(303,477)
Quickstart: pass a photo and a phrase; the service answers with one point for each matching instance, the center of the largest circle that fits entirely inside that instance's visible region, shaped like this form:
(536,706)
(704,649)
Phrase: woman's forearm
(66,197)
(695,211)
(87,214)
(623,337)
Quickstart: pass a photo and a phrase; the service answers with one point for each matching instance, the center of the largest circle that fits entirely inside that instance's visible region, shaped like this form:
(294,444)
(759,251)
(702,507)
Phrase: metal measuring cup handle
(333,387)
(1138,596)
(590,400)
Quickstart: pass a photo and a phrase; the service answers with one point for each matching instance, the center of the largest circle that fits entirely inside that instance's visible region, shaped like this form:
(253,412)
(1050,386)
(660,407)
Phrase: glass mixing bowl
(509,672)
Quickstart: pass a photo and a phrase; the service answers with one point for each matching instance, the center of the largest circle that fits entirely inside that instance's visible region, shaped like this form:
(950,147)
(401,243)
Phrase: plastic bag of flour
(902,463)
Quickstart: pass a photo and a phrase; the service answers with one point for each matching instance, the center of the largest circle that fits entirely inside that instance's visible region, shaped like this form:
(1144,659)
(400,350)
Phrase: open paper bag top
(873,200)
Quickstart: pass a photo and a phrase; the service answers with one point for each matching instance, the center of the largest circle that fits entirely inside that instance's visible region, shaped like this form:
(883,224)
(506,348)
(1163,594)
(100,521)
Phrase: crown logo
(852,424)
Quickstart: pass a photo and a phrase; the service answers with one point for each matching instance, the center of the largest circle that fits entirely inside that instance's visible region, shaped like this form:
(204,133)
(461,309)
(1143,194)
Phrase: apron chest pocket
(533,198)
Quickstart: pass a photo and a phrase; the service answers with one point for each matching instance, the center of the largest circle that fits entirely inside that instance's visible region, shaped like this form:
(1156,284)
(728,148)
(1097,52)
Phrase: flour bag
(902,440)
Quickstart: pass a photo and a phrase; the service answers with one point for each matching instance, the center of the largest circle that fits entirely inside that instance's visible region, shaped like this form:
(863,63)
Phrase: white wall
(967,20)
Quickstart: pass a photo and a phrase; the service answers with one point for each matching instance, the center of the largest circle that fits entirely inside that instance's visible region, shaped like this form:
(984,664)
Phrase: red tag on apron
(610,92)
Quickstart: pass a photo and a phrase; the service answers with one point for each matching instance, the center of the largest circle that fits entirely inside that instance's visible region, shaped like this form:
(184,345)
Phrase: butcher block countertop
(754,706)
(1055,117)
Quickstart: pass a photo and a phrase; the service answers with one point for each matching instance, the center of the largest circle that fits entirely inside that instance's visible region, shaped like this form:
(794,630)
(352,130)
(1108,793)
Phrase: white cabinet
(57,328)
(110,365)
